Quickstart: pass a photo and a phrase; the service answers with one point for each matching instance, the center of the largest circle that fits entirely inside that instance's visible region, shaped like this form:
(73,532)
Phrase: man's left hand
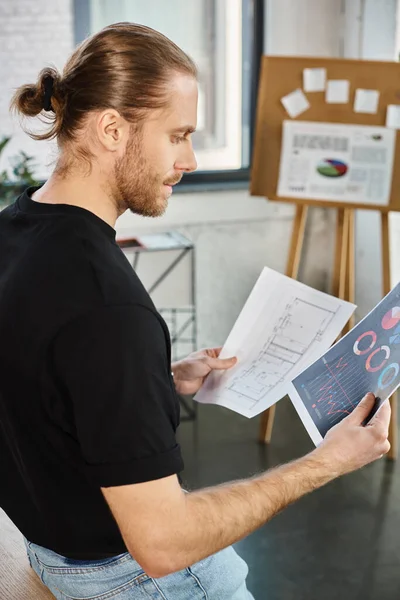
(190,373)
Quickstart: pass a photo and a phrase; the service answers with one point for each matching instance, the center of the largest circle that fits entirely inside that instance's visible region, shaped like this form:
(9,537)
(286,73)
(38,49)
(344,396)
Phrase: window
(224,37)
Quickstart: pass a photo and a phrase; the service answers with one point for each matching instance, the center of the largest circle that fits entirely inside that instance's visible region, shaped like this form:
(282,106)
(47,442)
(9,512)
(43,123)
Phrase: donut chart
(392,318)
(384,379)
(332,168)
(367,347)
(374,369)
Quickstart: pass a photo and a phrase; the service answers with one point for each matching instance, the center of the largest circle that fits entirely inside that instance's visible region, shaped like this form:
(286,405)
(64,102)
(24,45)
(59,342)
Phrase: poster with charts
(365,360)
(335,162)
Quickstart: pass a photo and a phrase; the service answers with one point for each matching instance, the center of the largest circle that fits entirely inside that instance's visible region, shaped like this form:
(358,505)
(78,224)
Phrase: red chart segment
(392,318)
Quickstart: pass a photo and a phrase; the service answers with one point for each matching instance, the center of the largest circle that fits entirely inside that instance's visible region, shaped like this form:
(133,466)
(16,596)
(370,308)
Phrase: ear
(112,130)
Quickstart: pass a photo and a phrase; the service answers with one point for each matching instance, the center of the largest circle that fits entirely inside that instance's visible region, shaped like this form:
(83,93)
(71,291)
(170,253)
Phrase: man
(88,405)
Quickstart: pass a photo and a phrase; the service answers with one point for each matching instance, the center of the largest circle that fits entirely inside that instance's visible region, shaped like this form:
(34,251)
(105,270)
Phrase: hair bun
(48,85)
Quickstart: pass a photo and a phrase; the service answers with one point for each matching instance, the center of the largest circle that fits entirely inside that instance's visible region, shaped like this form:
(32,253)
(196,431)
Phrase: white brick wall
(33,34)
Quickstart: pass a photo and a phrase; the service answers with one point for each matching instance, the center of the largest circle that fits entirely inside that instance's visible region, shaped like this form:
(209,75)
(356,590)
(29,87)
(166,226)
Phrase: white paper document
(393,116)
(335,162)
(283,327)
(295,103)
(337,91)
(314,80)
(366,101)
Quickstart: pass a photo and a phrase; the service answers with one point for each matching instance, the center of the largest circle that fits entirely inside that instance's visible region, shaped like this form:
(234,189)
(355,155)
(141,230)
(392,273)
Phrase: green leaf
(3,142)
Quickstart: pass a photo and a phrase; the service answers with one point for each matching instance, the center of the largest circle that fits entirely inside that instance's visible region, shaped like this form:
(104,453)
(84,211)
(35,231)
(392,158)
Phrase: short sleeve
(115,367)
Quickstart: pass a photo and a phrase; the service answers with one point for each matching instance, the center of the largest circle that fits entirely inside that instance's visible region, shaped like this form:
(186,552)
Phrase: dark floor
(341,542)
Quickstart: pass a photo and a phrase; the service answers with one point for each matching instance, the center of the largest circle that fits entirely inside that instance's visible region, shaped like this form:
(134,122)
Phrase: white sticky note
(337,91)
(366,101)
(314,80)
(295,103)
(393,116)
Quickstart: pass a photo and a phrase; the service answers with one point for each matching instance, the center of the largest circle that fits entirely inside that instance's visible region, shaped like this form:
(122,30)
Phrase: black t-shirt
(87,399)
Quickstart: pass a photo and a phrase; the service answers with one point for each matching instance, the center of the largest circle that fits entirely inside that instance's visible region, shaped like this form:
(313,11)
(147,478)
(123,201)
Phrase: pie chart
(332,168)
(392,318)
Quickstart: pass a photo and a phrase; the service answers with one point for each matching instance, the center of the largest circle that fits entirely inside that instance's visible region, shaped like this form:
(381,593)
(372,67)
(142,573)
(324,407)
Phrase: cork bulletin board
(281,75)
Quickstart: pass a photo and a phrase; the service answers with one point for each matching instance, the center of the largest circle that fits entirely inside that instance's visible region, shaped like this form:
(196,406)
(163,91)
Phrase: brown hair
(124,66)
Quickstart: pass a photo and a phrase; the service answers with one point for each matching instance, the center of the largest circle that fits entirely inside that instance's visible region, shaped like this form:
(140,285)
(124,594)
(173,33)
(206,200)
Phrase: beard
(136,186)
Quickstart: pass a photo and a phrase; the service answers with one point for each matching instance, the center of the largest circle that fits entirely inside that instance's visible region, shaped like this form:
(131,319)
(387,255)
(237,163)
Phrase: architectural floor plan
(283,327)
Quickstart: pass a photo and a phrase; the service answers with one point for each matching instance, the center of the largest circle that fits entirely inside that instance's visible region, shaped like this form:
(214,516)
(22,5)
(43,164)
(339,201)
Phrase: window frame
(218,179)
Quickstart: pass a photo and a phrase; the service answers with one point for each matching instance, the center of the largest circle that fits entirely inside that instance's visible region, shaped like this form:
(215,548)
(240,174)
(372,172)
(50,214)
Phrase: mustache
(173,181)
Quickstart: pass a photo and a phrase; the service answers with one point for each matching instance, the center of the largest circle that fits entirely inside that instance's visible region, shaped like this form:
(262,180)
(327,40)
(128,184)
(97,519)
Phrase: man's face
(158,153)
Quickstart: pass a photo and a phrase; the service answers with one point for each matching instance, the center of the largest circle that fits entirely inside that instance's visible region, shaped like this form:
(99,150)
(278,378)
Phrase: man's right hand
(350,445)
(167,530)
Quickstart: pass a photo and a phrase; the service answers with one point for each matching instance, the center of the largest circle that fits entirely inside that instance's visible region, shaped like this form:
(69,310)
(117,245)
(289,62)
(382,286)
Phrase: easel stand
(343,286)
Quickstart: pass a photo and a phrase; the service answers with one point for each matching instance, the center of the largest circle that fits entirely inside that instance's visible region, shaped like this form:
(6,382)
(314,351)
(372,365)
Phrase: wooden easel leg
(292,269)
(344,252)
(338,277)
(267,424)
(341,271)
(350,266)
(296,244)
(393,432)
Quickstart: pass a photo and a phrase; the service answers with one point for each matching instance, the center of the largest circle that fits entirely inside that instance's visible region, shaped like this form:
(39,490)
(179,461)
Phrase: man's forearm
(217,517)
(167,530)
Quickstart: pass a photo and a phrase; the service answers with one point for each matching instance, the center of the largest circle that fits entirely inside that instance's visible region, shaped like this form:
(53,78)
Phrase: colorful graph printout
(367,359)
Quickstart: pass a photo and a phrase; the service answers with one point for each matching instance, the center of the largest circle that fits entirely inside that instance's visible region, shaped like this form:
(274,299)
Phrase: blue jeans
(219,577)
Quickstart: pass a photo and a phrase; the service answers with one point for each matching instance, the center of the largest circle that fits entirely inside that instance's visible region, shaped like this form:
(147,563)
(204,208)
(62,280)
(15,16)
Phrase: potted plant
(21,178)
